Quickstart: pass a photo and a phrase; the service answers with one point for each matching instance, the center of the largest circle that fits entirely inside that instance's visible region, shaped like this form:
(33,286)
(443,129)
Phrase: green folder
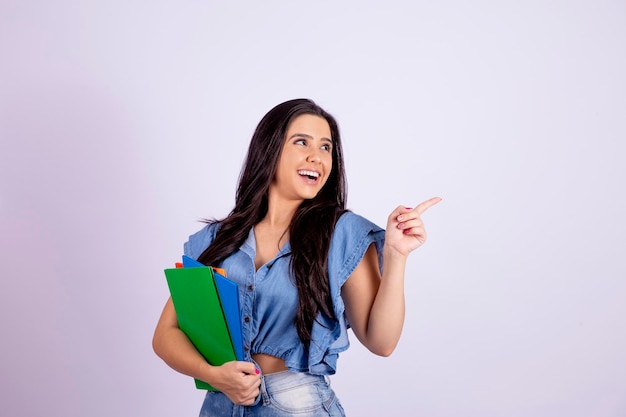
(200,315)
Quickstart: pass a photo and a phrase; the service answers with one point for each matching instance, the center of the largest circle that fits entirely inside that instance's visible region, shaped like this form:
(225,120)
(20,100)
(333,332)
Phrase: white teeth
(309,173)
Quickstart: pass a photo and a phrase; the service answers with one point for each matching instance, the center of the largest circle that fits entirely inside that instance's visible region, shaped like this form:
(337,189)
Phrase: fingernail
(408,208)
(257,371)
(406,231)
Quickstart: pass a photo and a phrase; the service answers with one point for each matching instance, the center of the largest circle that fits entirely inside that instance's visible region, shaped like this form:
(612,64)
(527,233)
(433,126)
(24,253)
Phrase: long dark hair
(314,218)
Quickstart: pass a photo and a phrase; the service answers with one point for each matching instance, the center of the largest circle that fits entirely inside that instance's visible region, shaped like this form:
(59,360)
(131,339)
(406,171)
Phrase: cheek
(329,169)
(328,162)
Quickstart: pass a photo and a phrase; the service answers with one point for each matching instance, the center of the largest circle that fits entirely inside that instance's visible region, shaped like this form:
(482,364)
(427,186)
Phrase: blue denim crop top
(269,299)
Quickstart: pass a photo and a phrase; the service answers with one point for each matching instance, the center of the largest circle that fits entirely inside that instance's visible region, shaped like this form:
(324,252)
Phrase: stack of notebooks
(207,309)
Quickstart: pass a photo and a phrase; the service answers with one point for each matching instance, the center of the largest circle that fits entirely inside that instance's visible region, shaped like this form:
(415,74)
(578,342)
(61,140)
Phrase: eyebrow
(310,137)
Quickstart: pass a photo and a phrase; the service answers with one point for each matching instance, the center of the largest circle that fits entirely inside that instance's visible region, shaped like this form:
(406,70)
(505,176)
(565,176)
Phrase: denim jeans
(282,394)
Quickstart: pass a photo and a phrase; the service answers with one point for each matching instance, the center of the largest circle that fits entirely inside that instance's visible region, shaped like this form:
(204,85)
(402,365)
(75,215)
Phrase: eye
(300,142)
(327,147)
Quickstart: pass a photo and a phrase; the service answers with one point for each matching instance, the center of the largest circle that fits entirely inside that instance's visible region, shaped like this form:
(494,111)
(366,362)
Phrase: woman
(307,269)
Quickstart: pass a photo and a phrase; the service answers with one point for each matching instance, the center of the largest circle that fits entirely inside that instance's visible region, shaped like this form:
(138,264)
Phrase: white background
(122,123)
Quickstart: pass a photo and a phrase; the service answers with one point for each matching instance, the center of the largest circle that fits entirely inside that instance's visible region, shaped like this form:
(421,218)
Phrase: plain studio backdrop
(122,123)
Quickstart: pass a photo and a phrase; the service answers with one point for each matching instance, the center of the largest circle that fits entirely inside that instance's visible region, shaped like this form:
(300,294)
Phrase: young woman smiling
(307,269)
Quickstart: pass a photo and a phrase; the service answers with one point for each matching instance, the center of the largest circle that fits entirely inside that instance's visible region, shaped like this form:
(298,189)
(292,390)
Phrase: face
(306,159)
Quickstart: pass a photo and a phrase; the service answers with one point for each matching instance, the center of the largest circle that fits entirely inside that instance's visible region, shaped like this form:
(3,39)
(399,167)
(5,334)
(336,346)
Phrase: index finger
(422,207)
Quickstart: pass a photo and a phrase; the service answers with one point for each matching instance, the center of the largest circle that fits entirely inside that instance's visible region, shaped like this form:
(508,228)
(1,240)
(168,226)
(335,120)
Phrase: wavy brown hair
(314,218)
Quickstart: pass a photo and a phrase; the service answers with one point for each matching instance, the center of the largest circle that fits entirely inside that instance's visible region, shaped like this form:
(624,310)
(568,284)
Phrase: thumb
(247,368)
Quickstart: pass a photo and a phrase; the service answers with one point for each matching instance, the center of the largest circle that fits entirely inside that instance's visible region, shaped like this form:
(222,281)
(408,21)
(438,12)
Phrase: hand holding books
(207,309)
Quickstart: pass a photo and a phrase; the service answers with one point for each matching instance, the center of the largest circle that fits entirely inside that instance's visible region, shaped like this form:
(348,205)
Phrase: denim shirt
(269,298)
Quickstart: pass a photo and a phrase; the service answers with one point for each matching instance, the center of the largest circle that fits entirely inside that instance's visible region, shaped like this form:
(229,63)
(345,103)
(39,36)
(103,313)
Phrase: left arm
(375,303)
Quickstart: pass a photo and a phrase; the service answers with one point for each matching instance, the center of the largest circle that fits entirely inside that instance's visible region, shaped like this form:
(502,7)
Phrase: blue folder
(229,298)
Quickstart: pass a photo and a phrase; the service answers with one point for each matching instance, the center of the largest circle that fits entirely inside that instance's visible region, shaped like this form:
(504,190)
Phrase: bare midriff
(269,364)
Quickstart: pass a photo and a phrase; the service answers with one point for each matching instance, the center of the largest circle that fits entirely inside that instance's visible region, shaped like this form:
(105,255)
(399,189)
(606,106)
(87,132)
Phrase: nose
(314,157)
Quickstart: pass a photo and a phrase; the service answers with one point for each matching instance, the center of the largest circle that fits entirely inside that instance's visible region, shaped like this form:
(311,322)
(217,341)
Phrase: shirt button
(246,319)
(250,287)
(246,348)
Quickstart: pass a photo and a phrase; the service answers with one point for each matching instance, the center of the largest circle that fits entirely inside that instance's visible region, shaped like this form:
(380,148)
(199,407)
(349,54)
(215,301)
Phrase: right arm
(238,380)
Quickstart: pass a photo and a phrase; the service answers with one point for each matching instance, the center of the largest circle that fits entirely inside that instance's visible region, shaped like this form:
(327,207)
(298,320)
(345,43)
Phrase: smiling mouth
(311,175)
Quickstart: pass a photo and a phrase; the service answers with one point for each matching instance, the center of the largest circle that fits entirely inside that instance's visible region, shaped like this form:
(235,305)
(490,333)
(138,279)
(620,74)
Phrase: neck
(280,212)
(279,217)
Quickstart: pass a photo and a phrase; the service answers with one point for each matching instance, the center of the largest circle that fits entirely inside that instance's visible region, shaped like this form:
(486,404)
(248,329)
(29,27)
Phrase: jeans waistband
(284,379)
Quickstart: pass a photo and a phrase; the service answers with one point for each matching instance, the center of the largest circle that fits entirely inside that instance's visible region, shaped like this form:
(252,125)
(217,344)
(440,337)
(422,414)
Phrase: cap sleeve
(199,241)
(353,235)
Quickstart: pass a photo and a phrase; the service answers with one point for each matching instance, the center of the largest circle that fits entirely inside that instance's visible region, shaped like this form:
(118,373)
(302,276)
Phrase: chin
(309,196)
